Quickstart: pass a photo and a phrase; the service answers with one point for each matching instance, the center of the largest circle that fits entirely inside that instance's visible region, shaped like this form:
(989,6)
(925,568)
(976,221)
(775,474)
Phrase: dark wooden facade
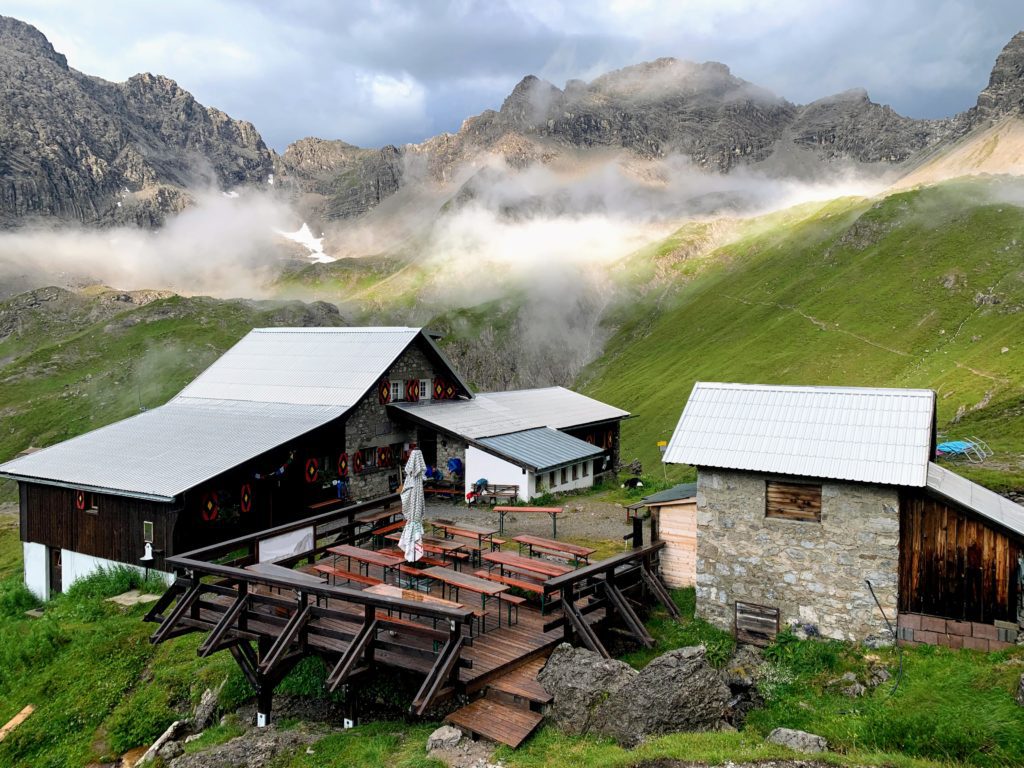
(113,530)
(955,564)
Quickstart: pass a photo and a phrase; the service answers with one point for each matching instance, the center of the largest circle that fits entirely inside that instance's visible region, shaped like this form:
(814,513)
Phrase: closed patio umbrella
(413,505)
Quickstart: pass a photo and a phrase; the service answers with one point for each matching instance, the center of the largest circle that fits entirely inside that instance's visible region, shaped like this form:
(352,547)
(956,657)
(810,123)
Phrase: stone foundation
(813,572)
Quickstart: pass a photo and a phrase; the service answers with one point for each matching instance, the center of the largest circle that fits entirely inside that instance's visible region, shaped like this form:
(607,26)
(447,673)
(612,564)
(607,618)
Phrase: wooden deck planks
(496,721)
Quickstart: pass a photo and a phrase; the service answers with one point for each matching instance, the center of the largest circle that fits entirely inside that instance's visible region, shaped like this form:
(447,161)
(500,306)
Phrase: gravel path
(585,519)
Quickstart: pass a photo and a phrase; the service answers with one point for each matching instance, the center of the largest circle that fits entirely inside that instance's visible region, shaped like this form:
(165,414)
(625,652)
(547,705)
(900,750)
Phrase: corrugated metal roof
(498,413)
(272,386)
(986,503)
(845,433)
(540,449)
(302,366)
(675,493)
(164,452)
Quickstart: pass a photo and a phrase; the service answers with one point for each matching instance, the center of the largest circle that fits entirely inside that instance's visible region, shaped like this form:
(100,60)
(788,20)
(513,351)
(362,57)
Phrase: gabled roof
(305,366)
(844,433)
(541,449)
(271,387)
(164,452)
(986,503)
(499,413)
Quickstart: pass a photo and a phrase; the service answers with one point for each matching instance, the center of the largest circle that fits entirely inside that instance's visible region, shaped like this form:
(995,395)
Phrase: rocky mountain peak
(1005,92)
(530,101)
(18,36)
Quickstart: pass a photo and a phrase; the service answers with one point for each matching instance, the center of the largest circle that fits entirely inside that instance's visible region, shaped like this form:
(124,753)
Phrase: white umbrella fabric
(413,505)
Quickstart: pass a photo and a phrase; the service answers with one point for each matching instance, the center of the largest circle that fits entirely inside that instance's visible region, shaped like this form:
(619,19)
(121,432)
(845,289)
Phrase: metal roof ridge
(838,388)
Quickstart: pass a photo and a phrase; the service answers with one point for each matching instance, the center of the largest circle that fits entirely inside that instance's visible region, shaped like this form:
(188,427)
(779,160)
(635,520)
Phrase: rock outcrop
(678,691)
(1004,94)
(798,741)
(79,148)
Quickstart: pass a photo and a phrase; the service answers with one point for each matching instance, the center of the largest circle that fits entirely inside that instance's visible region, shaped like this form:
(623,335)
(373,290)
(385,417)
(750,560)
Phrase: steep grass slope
(921,289)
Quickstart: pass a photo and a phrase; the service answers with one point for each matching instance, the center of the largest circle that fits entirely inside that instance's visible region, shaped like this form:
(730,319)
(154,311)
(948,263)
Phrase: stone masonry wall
(449,447)
(368,426)
(812,572)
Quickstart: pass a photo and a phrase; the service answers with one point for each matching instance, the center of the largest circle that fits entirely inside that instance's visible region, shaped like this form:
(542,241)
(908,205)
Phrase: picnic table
(456,580)
(554,512)
(366,558)
(378,515)
(448,549)
(534,544)
(531,566)
(483,535)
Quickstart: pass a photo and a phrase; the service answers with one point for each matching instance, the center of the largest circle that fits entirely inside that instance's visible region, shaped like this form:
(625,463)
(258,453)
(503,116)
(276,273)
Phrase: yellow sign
(662,443)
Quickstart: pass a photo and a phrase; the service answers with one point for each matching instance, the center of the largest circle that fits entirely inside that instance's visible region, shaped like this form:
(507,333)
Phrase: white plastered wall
(77,566)
(480,464)
(37,569)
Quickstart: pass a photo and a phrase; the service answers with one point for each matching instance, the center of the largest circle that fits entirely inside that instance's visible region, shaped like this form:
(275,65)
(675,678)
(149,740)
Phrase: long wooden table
(484,536)
(578,554)
(447,548)
(531,566)
(456,580)
(554,512)
(366,558)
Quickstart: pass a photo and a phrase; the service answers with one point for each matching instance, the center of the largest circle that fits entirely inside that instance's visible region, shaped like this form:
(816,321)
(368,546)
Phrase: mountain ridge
(113,153)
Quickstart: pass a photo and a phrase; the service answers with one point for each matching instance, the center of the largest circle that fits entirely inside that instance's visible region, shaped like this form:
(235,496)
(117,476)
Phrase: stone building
(806,495)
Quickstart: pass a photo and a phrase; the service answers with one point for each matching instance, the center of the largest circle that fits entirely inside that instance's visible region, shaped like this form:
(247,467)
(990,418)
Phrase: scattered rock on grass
(798,741)
(1020,691)
(445,737)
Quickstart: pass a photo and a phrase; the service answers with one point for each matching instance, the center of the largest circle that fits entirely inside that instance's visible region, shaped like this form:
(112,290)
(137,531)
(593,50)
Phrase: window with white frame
(586,468)
(426,390)
(397,390)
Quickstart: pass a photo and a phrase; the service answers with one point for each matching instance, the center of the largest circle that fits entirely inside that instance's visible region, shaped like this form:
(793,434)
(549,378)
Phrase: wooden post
(264,700)
(638,532)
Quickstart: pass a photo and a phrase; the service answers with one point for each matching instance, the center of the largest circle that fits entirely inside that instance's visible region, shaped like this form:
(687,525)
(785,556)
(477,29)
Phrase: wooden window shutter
(412,390)
(792,501)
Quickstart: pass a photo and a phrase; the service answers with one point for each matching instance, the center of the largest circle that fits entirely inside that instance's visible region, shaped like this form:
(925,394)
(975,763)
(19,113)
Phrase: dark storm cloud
(390,72)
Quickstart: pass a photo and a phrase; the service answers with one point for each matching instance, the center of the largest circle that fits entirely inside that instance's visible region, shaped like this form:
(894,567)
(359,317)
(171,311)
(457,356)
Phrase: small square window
(425,389)
(792,501)
(147,531)
(565,475)
(397,390)
(586,468)
(575,471)
(551,480)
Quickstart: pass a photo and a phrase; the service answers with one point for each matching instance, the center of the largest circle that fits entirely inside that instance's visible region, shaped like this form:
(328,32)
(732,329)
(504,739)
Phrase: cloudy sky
(379,71)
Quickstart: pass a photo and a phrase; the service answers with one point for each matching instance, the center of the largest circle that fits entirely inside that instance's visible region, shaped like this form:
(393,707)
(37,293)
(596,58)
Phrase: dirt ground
(586,520)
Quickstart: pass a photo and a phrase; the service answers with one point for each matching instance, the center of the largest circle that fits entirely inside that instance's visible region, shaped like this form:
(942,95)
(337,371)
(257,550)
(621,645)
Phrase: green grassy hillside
(921,289)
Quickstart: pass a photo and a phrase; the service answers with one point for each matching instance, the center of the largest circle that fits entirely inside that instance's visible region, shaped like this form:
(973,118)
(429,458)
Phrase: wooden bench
(573,553)
(455,555)
(526,586)
(390,527)
(513,602)
(341,573)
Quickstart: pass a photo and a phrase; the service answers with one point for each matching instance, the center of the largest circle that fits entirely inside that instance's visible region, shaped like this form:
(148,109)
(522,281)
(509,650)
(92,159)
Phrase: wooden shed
(674,521)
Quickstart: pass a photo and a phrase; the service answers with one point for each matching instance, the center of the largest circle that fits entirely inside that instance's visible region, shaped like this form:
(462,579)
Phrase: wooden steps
(521,683)
(496,721)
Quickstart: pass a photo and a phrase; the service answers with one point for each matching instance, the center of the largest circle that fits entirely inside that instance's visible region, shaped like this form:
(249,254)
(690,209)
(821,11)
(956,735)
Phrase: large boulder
(678,691)
(581,682)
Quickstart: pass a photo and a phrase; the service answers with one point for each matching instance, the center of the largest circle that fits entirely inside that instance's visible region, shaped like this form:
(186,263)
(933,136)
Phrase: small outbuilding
(822,507)
(674,520)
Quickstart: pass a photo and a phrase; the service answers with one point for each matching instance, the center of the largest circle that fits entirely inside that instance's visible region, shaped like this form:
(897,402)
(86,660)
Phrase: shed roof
(499,413)
(272,386)
(164,452)
(986,503)
(675,493)
(844,433)
(540,449)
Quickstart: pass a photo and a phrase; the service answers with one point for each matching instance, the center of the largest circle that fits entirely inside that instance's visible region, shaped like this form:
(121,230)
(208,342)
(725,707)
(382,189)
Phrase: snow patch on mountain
(304,237)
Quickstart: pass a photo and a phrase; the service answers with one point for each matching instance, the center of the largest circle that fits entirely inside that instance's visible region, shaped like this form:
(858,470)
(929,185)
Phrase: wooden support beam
(657,586)
(360,644)
(244,658)
(583,630)
(184,603)
(155,613)
(284,640)
(231,615)
(17,720)
(445,666)
(626,612)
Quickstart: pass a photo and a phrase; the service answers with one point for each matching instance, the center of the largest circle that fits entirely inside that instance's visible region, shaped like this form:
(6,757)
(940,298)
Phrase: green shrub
(139,719)
(15,598)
